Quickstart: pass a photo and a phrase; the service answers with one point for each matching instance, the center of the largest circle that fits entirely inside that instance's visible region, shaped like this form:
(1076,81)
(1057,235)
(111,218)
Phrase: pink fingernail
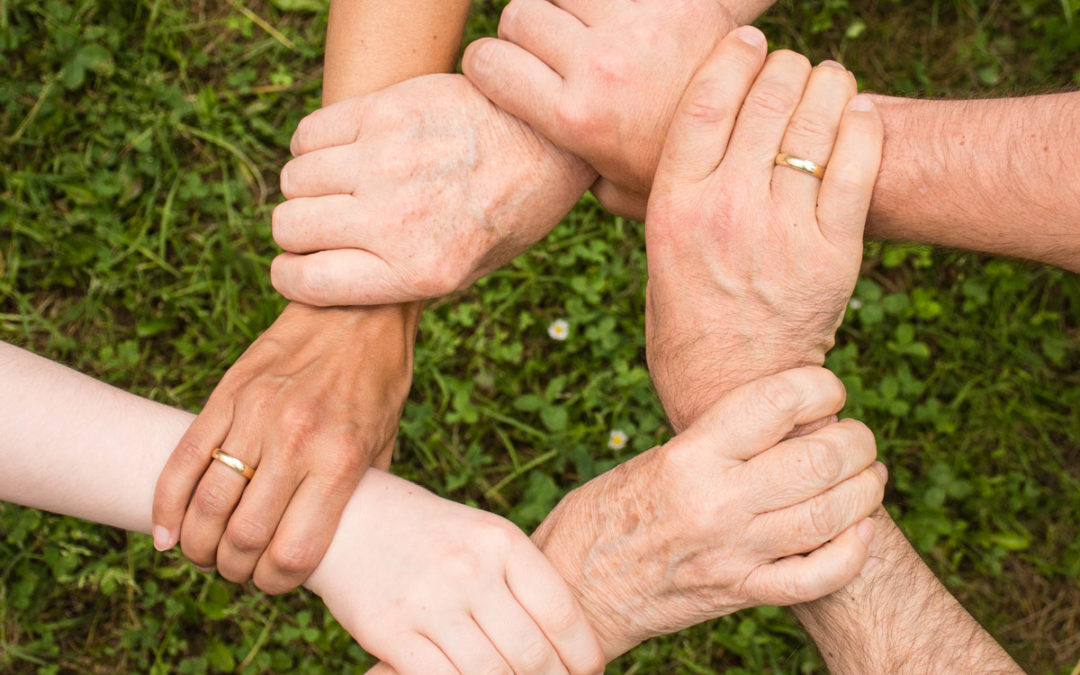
(162,538)
(865,530)
(204,570)
(284,180)
(861,103)
(832,64)
(751,36)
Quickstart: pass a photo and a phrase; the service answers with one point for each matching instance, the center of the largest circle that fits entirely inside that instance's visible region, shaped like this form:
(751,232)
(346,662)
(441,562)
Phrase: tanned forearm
(372,44)
(993,175)
(896,617)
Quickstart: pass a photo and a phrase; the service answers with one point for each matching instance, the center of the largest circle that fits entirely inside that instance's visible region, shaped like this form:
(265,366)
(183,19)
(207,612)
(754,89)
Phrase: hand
(311,404)
(720,518)
(769,255)
(413,192)
(602,78)
(430,587)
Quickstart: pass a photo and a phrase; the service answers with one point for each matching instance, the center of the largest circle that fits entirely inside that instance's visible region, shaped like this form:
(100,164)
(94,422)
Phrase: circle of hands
(416,191)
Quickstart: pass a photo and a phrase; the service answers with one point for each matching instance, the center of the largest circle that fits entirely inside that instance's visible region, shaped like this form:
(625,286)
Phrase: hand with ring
(755,222)
(257,484)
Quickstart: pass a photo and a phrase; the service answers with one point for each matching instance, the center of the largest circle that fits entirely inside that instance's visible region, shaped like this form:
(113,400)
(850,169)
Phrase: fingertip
(476,61)
(861,103)
(865,530)
(751,36)
(163,538)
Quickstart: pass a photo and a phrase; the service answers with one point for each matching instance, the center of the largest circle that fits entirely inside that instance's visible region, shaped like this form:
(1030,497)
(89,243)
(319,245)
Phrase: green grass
(140,144)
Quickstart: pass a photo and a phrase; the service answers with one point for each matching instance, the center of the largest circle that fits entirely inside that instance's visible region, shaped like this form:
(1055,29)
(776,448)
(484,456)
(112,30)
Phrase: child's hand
(430,586)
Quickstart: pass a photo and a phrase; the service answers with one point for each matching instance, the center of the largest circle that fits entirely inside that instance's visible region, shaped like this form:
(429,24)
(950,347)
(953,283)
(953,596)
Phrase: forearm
(991,175)
(897,617)
(79,447)
(371,44)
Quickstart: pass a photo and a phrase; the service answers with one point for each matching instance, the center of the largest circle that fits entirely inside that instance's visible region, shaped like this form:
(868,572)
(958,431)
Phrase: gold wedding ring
(800,164)
(234,463)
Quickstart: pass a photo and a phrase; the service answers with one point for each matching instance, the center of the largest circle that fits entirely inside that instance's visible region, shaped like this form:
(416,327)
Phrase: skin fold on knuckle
(824,460)
(212,500)
(248,535)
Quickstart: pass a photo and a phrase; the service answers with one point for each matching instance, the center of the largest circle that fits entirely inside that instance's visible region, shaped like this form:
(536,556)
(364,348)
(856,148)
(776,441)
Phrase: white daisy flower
(559,330)
(617,440)
(855,304)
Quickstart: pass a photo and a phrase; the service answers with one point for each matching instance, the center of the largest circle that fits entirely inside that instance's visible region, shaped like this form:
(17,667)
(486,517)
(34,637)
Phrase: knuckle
(707,103)
(592,664)
(247,535)
(536,657)
(561,615)
(822,518)
(824,461)
(780,394)
(293,557)
(609,67)
(299,419)
(771,99)
(191,452)
(576,117)
(212,499)
(813,126)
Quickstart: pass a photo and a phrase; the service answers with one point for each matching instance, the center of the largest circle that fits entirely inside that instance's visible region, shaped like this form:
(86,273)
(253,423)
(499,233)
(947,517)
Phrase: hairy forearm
(990,175)
(896,617)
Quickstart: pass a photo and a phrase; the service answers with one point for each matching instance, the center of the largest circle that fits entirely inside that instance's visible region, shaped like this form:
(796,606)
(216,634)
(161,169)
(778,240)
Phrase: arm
(435,593)
(421,592)
(983,175)
(987,175)
(897,617)
(288,405)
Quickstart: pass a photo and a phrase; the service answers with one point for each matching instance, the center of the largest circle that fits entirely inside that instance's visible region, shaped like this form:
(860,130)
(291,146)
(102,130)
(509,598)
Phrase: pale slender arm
(990,175)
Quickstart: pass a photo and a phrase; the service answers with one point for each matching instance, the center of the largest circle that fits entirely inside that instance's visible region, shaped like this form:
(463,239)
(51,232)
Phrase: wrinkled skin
(413,192)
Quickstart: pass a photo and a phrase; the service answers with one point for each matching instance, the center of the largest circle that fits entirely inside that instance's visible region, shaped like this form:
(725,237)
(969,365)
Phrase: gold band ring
(234,463)
(799,164)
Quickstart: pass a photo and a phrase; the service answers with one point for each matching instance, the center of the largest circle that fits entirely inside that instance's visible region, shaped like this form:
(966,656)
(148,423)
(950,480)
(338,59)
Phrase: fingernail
(882,470)
(284,181)
(751,36)
(865,530)
(204,570)
(829,63)
(162,538)
(861,103)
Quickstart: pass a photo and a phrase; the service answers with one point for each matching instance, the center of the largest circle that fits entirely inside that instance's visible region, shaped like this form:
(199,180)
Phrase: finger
(544,30)
(519,83)
(808,525)
(466,646)
(254,522)
(812,133)
(849,179)
(215,498)
(309,224)
(303,535)
(185,467)
(336,124)
(800,468)
(344,277)
(416,655)
(757,415)
(328,171)
(544,595)
(517,637)
(698,136)
(618,201)
(765,114)
(382,669)
(590,12)
(796,579)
